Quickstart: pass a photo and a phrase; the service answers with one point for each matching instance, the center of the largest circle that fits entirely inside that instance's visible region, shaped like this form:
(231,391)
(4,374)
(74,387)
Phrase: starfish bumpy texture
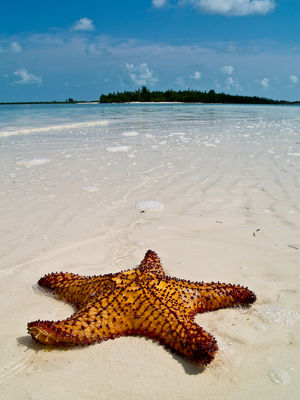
(142,301)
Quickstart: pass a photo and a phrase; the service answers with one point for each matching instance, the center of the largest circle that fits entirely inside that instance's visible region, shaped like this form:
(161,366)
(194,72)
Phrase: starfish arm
(111,314)
(164,323)
(151,265)
(213,296)
(199,297)
(76,289)
(96,322)
(193,342)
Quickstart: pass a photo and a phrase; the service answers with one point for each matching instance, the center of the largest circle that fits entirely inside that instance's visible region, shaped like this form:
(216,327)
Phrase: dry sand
(227,209)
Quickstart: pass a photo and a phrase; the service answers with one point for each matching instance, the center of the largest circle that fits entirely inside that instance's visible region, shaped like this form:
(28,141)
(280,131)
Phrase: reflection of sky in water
(149,118)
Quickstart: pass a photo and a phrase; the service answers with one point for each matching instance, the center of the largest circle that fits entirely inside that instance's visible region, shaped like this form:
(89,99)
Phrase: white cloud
(196,75)
(59,51)
(96,49)
(234,7)
(265,83)
(141,74)
(231,48)
(84,24)
(294,78)
(229,81)
(159,3)
(232,83)
(179,81)
(227,69)
(15,47)
(26,77)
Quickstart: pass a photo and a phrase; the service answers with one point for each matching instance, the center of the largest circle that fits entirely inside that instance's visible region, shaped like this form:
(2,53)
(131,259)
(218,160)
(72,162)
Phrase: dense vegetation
(184,96)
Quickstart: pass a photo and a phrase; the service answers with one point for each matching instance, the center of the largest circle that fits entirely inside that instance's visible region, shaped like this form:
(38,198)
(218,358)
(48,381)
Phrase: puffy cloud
(159,3)
(15,47)
(141,74)
(264,83)
(196,75)
(234,7)
(84,24)
(227,69)
(294,78)
(60,56)
(26,77)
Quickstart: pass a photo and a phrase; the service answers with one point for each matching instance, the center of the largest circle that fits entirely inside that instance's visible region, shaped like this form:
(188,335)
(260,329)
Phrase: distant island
(144,95)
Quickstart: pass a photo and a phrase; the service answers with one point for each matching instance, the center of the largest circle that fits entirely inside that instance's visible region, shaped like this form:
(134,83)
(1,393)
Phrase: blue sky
(60,49)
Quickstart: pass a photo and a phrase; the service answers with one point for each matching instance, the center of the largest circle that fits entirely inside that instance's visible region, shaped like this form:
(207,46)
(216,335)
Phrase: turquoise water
(56,119)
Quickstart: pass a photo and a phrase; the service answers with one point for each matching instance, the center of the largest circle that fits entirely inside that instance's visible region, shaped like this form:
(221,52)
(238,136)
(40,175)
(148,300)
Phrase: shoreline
(295,103)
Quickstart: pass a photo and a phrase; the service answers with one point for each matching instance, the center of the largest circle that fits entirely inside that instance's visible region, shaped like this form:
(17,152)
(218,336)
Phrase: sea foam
(43,129)
(279,376)
(277,315)
(116,149)
(90,189)
(29,162)
(130,133)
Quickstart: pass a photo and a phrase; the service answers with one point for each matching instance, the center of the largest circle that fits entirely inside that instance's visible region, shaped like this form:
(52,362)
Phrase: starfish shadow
(189,367)
(26,341)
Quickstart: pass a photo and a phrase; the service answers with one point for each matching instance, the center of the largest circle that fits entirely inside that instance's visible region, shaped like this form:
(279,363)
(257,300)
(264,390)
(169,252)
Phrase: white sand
(149,205)
(231,213)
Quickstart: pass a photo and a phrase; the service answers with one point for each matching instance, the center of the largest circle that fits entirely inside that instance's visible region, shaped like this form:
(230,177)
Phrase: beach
(213,189)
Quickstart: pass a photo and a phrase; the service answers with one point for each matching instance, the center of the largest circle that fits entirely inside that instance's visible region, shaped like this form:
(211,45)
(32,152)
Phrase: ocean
(34,119)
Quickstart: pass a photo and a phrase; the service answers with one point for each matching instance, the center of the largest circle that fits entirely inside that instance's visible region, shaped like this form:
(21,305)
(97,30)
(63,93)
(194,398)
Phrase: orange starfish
(141,301)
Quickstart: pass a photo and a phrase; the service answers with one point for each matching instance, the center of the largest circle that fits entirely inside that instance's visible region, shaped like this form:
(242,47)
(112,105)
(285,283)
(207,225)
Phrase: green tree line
(184,96)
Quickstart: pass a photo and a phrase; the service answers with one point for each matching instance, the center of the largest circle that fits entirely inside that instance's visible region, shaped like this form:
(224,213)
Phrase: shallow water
(195,159)
(26,119)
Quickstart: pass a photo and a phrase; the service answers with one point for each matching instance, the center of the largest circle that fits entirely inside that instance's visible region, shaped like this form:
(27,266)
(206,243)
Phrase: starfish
(142,301)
